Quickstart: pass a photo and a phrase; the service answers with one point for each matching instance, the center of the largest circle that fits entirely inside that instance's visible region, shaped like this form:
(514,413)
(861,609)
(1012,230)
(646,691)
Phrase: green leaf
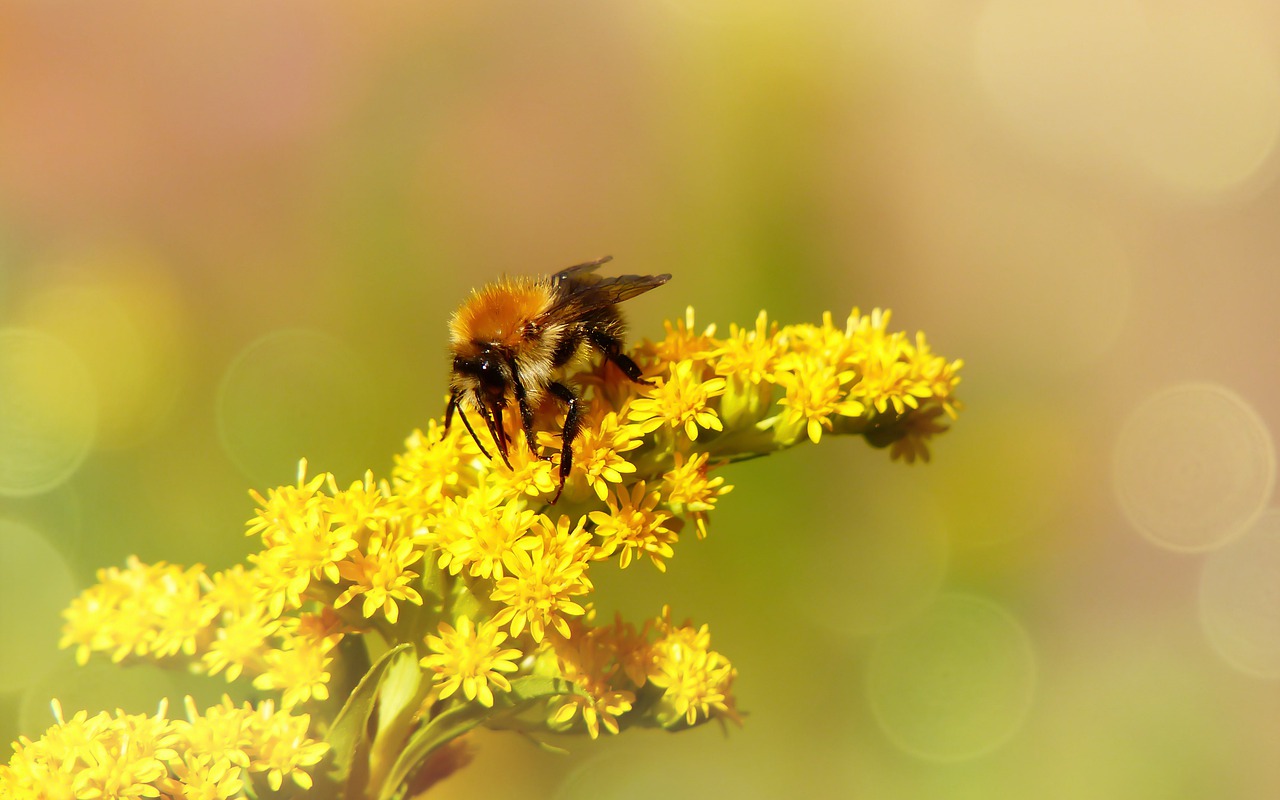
(457,721)
(465,603)
(434,586)
(544,745)
(537,687)
(426,740)
(348,733)
(399,688)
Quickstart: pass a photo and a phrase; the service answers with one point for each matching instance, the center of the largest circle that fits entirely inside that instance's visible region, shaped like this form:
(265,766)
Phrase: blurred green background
(231,237)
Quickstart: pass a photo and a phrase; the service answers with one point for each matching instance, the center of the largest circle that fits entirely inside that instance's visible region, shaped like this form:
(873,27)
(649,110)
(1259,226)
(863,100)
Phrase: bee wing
(568,273)
(580,293)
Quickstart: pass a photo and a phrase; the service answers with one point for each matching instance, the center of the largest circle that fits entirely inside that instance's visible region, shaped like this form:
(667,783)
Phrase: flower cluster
(218,754)
(452,594)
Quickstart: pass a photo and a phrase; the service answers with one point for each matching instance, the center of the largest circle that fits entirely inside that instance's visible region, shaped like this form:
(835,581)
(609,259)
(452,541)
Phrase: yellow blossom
(354,513)
(545,572)
(220,733)
(599,452)
(486,539)
(591,660)
(238,590)
(381,576)
(815,392)
(462,532)
(530,474)
(240,642)
(633,527)
(935,373)
(690,490)
(455,557)
(206,755)
(288,510)
(281,747)
(472,658)
(431,465)
(308,534)
(682,342)
(888,382)
(299,669)
(141,610)
(749,353)
(696,681)
(682,400)
(201,777)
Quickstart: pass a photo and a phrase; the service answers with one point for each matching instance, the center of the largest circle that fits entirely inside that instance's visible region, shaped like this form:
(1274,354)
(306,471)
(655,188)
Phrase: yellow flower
(681,343)
(546,571)
(460,522)
(280,747)
(354,513)
(681,401)
(868,334)
(456,536)
(485,536)
(888,382)
(471,657)
(749,354)
(201,777)
(299,669)
(530,474)
(124,756)
(432,465)
(689,490)
(156,610)
(220,733)
(632,527)
(591,660)
(288,510)
(241,642)
(935,373)
(814,393)
(238,591)
(381,576)
(303,540)
(599,449)
(696,680)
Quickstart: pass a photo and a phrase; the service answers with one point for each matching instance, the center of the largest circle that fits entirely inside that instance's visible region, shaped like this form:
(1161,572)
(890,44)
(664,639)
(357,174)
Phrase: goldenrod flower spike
(399,613)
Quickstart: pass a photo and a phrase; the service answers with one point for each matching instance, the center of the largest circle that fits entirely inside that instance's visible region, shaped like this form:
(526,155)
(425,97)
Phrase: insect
(510,338)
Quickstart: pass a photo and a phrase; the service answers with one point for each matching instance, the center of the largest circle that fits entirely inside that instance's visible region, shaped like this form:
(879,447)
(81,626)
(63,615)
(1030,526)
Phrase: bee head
(486,372)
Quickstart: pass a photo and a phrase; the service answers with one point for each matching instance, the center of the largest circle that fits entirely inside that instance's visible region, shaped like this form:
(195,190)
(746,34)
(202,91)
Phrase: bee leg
(566,395)
(526,412)
(495,428)
(611,346)
(462,412)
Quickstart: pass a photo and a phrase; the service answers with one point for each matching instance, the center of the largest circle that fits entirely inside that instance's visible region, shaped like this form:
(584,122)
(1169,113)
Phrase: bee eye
(491,377)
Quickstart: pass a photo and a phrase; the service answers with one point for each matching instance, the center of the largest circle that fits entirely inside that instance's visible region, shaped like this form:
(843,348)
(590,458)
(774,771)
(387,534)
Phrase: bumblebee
(511,339)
